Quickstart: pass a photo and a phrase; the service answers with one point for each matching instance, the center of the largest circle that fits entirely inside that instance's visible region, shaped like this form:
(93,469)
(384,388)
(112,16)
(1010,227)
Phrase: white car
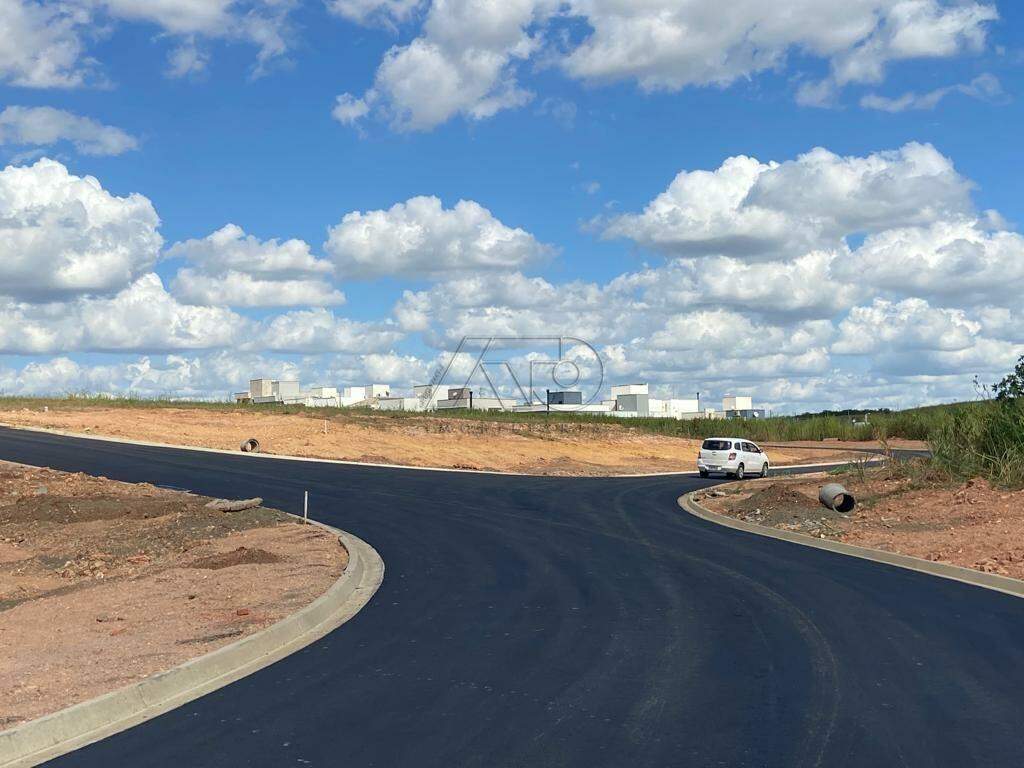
(733,456)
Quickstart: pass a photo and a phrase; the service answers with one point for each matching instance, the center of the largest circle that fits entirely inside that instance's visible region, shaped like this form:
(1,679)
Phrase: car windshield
(717,445)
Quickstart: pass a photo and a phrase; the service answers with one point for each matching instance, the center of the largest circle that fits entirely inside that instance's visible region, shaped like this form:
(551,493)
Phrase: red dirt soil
(105,583)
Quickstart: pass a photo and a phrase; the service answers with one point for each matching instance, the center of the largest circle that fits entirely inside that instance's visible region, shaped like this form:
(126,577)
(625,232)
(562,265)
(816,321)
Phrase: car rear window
(717,445)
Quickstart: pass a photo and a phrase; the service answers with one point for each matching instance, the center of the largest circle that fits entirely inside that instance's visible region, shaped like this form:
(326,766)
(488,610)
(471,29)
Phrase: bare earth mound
(105,583)
(537,447)
(971,525)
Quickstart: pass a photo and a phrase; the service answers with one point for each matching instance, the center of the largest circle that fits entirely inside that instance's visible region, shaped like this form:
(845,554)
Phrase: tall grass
(985,441)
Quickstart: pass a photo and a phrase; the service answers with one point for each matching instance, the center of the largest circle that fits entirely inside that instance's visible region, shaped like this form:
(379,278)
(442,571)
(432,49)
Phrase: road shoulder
(61,732)
(992,581)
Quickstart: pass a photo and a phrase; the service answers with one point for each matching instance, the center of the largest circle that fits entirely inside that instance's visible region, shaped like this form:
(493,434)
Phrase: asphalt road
(583,622)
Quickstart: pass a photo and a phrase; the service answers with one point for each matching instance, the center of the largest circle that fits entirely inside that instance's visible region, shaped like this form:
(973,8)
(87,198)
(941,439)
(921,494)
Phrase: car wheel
(764,469)
(739,472)
(704,472)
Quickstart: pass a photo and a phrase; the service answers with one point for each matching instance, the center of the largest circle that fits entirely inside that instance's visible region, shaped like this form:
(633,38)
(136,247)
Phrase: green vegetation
(988,439)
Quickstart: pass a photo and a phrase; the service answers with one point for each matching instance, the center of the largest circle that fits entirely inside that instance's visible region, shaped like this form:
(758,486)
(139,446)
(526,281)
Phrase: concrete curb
(991,581)
(61,732)
(286,457)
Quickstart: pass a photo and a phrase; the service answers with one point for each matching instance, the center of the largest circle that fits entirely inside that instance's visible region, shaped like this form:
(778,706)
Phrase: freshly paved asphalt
(531,621)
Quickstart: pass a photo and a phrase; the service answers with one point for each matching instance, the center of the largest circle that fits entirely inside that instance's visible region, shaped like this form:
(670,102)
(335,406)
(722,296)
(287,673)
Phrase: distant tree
(1012,385)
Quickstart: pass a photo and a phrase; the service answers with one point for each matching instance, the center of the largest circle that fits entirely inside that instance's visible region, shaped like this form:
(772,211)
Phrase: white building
(367,395)
(290,392)
(737,403)
(630,389)
(674,408)
(463,398)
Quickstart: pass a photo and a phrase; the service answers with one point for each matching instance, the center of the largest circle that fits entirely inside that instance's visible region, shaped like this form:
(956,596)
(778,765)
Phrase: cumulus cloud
(236,269)
(958,262)
(62,234)
(809,283)
(319,330)
(764,210)
(210,376)
(463,63)
(908,324)
(802,287)
(45,126)
(421,237)
(915,29)
(392,367)
(44,44)
(466,59)
(142,318)
(241,289)
(230,248)
(40,44)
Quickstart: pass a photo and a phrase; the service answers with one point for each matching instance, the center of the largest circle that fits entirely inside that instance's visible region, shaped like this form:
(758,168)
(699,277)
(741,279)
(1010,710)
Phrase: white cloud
(212,375)
(229,248)
(262,23)
(421,237)
(44,44)
(957,262)
(348,110)
(463,63)
(985,87)
(915,29)
(235,269)
(40,45)
(400,369)
(804,286)
(62,234)
(241,289)
(385,12)
(907,29)
(909,324)
(465,60)
(187,60)
(45,126)
(143,317)
(319,331)
(756,210)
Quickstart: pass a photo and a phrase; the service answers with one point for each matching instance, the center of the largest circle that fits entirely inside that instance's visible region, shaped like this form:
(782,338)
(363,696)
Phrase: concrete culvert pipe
(834,496)
(252,445)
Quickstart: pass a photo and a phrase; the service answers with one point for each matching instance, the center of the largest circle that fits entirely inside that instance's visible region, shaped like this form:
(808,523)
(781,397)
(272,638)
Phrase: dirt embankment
(105,583)
(971,524)
(555,448)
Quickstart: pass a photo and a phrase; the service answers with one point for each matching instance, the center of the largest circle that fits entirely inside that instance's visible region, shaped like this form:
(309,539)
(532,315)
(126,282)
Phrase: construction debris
(239,505)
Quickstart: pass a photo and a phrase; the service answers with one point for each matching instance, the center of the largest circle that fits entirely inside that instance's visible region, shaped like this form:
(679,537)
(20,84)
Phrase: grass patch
(987,441)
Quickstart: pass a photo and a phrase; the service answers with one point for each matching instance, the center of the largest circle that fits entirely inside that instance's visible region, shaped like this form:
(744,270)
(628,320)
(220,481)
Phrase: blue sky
(580,139)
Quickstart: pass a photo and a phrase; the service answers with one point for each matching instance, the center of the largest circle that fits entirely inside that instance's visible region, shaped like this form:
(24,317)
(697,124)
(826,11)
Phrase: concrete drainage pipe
(834,496)
(252,445)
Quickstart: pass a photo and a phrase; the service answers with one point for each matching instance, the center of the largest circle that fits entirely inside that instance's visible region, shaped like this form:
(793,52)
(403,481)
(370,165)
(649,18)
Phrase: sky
(812,202)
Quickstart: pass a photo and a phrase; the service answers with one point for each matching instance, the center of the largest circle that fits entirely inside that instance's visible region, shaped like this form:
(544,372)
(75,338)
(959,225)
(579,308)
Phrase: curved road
(583,622)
